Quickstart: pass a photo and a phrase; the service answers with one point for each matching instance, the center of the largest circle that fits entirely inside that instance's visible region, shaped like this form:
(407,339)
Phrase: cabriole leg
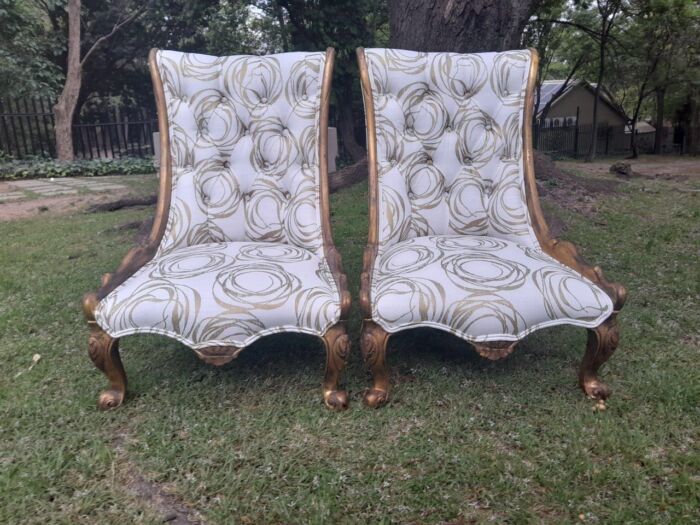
(602,342)
(337,345)
(373,342)
(104,352)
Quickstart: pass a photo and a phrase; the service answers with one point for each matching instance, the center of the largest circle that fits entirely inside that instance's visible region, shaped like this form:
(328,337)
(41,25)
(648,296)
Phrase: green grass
(463,440)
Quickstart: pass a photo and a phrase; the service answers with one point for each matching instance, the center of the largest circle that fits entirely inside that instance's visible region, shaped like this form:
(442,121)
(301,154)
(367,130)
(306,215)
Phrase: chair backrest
(245,143)
(449,143)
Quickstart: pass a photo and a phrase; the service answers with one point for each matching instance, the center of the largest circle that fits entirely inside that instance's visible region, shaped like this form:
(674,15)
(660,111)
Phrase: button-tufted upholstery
(456,248)
(242,253)
(449,136)
(244,143)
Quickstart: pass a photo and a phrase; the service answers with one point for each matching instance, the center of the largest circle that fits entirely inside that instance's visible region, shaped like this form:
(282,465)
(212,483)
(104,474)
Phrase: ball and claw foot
(335,399)
(373,342)
(602,342)
(110,399)
(337,345)
(375,398)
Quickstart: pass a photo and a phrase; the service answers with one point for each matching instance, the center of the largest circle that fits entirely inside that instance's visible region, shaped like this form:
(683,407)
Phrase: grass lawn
(462,441)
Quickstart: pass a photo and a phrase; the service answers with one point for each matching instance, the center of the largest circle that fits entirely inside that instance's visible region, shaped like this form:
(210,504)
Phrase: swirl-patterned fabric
(449,143)
(456,248)
(242,254)
(480,288)
(224,293)
(244,134)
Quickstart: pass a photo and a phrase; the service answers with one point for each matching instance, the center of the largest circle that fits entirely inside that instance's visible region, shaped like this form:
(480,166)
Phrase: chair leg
(602,342)
(337,345)
(373,342)
(104,352)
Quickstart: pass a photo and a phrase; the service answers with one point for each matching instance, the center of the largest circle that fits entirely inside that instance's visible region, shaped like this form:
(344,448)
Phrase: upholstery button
(429,162)
(305,165)
(184,98)
(287,195)
(222,99)
(448,129)
(263,100)
(304,96)
(226,164)
(411,194)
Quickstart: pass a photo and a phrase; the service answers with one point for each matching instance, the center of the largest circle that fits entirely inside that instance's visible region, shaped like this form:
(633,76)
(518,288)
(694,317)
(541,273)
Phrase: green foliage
(38,169)
(25,62)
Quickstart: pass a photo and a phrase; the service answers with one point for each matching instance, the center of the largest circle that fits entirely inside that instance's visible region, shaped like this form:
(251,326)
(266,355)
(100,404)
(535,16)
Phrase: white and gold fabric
(241,246)
(456,236)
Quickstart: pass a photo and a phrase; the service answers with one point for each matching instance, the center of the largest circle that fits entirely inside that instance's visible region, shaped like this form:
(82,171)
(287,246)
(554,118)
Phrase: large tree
(461,26)
(64,109)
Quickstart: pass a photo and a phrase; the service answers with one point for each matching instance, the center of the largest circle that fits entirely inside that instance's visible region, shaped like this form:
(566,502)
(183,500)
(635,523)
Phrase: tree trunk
(65,106)
(461,26)
(346,124)
(693,129)
(659,135)
(594,126)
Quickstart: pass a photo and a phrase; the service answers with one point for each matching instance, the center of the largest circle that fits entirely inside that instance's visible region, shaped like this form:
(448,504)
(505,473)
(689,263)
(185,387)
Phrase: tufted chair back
(449,133)
(244,143)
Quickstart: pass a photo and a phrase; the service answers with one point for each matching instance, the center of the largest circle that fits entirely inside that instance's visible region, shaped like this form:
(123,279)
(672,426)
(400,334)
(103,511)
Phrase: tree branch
(109,35)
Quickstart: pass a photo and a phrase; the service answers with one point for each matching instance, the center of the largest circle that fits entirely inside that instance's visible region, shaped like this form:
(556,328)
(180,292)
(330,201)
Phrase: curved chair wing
(241,245)
(457,238)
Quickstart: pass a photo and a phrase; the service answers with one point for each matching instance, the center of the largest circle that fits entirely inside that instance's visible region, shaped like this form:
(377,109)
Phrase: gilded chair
(241,244)
(457,239)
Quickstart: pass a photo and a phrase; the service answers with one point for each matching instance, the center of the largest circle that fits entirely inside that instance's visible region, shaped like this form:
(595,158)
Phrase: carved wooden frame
(602,340)
(104,350)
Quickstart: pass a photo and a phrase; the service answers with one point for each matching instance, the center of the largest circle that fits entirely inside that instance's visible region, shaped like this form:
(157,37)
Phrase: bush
(37,169)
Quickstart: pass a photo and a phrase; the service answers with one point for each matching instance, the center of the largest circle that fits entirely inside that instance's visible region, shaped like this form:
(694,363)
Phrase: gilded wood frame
(104,350)
(602,340)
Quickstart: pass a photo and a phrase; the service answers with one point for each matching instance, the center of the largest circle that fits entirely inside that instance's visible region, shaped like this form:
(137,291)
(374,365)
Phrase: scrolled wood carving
(373,343)
(337,345)
(602,342)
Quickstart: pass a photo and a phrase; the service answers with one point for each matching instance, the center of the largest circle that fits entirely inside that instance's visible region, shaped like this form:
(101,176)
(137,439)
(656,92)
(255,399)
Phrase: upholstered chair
(457,238)
(241,244)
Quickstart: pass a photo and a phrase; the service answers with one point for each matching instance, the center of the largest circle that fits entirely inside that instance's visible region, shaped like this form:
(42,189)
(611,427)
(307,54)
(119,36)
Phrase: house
(574,104)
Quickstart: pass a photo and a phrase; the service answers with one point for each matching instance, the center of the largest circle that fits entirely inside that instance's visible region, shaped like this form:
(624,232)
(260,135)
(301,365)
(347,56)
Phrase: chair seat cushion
(227,293)
(480,288)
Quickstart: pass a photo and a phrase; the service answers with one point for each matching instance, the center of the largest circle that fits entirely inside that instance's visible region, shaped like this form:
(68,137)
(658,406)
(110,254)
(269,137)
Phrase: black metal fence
(575,141)
(27,130)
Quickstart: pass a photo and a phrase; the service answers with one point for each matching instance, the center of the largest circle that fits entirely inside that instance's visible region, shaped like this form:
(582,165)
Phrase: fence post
(607,139)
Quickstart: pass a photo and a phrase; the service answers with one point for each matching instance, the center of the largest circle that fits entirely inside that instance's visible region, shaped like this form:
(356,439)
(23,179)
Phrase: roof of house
(549,89)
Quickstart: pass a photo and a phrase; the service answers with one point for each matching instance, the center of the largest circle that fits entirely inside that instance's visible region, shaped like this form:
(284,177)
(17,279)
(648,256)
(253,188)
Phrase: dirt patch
(569,191)
(153,495)
(50,206)
(652,166)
